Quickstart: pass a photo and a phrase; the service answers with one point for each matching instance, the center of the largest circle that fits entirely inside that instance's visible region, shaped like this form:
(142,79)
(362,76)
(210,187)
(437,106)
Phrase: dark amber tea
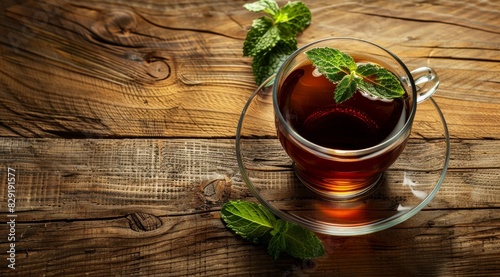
(306,102)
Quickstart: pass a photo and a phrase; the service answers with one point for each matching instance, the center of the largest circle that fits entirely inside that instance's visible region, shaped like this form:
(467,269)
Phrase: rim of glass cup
(337,152)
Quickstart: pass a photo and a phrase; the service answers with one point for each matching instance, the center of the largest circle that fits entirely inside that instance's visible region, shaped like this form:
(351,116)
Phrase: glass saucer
(409,184)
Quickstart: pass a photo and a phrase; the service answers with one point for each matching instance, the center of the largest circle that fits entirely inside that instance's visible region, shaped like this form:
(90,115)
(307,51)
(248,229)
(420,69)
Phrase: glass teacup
(340,151)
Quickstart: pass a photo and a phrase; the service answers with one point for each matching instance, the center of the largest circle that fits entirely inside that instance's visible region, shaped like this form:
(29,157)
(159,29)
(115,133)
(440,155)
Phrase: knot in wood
(214,191)
(120,22)
(143,222)
(157,67)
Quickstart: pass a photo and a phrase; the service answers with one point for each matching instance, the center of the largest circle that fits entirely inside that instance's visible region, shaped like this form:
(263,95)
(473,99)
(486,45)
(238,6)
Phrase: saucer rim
(337,230)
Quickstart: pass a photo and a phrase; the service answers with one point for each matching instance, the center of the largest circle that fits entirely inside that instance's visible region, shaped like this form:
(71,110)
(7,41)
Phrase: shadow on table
(393,252)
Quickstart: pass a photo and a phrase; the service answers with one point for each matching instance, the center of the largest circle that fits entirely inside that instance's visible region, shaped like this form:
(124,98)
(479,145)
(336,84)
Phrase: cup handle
(426,82)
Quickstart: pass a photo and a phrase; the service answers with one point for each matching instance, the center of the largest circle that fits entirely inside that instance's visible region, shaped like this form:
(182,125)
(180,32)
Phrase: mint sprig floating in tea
(272,38)
(340,68)
(258,225)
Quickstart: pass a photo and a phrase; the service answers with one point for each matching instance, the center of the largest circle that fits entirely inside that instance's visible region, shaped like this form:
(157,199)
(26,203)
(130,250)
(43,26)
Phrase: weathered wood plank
(175,69)
(174,249)
(433,243)
(60,179)
(468,248)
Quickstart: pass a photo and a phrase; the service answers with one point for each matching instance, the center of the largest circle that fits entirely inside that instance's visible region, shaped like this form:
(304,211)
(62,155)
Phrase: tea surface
(306,102)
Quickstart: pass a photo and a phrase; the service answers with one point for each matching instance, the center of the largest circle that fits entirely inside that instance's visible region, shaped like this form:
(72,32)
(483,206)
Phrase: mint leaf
(295,240)
(379,81)
(265,65)
(255,223)
(346,88)
(338,67)
(268,6)
(302,243)
(277,245)
(272,38)
(261,37)
(292,19)
(332,63)
(249,220)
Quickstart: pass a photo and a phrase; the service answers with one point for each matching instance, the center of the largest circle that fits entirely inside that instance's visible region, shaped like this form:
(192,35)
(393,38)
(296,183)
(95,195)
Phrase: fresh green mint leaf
(277,245)
(379,81)
(338,67)
(265,65)
(249,220)
(273,38)
(262,37)
(268,6)
(293,18)
(332,63)
(295,240)
(346,88)
(302,243)
(284,25)
(257,224)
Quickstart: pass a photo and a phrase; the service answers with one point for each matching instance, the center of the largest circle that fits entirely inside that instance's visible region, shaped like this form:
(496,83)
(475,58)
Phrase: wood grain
(105,178)
(91,69)
(120,116)
(425,245)
(85,204)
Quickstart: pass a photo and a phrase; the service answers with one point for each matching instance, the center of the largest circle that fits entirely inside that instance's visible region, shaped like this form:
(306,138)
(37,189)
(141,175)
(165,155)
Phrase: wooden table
(118,121)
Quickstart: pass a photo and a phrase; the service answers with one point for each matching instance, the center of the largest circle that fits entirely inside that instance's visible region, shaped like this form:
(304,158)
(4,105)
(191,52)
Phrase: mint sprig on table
(338,67)
(272,38)
(257,224)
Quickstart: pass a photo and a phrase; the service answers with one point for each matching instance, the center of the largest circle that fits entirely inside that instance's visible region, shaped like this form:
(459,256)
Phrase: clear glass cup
(345,172)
